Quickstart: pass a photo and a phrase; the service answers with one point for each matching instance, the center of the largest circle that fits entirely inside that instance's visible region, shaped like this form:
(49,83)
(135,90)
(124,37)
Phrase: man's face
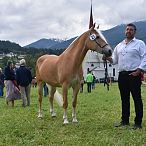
(130,32)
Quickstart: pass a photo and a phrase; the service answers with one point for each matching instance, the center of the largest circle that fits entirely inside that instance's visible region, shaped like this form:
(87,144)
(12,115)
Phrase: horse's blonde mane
(76,41)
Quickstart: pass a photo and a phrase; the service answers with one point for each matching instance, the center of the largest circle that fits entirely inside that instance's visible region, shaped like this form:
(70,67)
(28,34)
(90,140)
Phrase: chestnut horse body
(66,70)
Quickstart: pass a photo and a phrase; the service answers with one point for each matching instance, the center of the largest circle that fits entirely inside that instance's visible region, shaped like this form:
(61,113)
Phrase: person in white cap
(24,78)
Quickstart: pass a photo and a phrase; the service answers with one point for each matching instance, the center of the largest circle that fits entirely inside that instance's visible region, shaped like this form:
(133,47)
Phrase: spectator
(46,90)
(94,81)
(12,90)
(34,82)
(24,78)
(82,85)
(89,80)
(130,55)
(1,83)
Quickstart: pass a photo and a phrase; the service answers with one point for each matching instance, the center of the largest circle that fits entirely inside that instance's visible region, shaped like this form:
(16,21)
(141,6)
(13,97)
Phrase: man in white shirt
(130,55)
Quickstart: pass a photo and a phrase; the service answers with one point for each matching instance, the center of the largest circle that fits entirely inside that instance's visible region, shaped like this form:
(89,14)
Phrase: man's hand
(103,57)
(107,58)
(136,73)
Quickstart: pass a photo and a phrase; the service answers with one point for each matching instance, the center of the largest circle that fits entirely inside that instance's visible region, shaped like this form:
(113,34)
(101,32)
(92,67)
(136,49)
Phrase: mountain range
(44,43)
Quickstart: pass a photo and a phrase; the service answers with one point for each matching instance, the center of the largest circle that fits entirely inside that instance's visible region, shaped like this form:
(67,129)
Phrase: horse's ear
(98,26)
(94,25)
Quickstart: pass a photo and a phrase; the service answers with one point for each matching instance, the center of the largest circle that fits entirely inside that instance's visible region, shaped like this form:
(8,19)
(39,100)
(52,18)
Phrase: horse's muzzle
(107,52)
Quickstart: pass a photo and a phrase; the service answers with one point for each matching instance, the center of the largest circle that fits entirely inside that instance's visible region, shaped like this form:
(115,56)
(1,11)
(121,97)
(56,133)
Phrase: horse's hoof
(75,121)
(53,115)
(65,122)
(40,116)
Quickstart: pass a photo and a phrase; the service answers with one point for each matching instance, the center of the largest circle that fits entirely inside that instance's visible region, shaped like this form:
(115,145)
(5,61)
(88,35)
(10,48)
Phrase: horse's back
(46,60)
(45,57)
(46,68)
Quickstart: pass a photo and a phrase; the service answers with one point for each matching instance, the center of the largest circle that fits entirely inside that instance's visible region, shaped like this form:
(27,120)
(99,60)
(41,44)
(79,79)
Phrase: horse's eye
(97,37)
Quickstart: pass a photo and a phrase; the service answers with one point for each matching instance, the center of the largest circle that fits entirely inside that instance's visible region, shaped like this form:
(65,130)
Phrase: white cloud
(25,21)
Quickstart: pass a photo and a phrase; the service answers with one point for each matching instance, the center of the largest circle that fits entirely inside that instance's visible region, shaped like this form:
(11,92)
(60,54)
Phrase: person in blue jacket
(24,78)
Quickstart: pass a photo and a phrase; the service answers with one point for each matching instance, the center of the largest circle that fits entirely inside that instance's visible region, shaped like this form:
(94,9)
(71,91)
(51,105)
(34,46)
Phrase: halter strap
(106,78)
(99,44)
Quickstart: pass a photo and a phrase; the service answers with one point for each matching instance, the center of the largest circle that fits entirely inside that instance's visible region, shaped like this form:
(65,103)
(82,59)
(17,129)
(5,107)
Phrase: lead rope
(106,79)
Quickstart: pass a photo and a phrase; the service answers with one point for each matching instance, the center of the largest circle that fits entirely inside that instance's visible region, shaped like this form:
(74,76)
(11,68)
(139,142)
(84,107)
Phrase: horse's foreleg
(52,92)
(74,103)
(40,99)
(65,104)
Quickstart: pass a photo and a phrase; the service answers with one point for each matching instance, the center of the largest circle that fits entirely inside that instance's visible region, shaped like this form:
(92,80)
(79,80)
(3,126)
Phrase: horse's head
(97,42)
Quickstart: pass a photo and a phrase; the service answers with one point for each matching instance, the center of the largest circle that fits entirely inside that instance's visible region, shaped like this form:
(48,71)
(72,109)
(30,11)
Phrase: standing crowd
(90,80)
(17,82)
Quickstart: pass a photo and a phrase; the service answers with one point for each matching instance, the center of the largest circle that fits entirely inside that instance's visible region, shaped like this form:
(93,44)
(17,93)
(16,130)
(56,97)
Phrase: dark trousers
(46,90)
(1,90)
(130,84)
(89,86)
(81,88)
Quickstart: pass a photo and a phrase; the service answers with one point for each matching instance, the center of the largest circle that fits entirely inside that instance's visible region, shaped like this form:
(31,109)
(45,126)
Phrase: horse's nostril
(110,52)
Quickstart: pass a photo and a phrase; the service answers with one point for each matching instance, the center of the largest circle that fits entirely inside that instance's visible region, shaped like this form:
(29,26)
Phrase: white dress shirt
(130,56)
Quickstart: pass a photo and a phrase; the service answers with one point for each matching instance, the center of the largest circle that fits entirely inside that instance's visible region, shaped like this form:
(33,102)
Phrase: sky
(26,21)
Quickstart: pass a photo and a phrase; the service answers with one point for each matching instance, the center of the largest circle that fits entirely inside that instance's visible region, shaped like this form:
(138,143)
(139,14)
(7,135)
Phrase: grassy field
(96,113)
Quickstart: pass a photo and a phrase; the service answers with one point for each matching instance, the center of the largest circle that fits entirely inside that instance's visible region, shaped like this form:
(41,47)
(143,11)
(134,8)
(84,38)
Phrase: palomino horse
(66,70)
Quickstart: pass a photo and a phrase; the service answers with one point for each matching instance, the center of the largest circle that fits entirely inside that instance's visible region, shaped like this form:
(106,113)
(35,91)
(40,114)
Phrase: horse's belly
(54,84)
(51,80)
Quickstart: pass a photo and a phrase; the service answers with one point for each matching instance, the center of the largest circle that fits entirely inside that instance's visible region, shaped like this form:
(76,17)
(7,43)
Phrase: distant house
(2,55)
(93,62)
(11,54)
(21,56)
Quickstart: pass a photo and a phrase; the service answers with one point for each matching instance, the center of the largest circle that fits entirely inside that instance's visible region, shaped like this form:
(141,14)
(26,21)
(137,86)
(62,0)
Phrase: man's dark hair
(131,24)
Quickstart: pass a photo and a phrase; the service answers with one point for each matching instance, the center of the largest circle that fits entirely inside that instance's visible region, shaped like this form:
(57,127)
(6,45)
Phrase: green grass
(96,114)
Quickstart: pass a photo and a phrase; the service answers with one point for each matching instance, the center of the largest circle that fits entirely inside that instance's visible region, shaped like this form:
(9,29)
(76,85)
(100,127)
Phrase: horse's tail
(57,96)
(39,62)
(36,69)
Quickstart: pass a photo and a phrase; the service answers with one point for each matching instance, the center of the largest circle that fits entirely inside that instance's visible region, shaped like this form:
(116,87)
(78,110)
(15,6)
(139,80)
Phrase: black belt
(126,72)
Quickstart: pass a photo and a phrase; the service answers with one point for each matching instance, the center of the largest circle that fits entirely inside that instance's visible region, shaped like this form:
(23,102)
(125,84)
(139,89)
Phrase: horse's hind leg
(40,90)
(52,92)
(74,103)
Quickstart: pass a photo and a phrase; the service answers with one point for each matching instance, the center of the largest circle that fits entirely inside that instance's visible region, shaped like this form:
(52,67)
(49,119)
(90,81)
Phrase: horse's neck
(77,50)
